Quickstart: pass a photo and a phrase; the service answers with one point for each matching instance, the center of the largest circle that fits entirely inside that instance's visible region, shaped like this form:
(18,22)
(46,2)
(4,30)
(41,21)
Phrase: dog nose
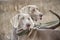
(40,16)
(28,25)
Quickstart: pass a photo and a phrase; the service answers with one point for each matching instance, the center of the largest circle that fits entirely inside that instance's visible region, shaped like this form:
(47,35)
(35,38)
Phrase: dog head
(33,11)
(22,21)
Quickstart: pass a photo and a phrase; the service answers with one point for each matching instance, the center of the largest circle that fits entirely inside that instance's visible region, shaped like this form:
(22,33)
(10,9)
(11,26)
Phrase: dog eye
(40,15)
(22,18)
(37,8)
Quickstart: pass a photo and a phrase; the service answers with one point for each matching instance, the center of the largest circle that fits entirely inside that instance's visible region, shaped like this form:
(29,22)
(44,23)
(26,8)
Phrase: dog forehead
(24,15)
(34,6)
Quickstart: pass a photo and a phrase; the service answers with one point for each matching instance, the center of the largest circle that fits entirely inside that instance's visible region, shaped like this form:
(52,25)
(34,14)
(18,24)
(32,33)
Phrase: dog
(34,12)
(22,19)
(20,23)
(31,33)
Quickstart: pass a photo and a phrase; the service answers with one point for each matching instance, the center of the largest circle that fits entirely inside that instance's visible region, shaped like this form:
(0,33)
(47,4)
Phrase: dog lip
(20,30)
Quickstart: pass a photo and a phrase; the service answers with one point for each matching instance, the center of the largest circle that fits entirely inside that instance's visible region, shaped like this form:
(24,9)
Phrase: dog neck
(29,33)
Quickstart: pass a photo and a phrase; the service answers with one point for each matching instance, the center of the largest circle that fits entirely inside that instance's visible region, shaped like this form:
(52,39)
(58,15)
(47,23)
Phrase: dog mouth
(22,32)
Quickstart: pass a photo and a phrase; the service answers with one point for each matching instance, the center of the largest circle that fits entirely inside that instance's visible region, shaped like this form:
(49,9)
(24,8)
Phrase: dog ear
(15,21)
(24,9)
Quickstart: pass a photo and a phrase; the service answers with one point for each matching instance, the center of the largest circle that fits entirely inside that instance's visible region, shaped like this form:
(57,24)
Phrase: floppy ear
(15,21)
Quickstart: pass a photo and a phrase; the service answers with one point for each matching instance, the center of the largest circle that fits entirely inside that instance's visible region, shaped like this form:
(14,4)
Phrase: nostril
(40,16)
